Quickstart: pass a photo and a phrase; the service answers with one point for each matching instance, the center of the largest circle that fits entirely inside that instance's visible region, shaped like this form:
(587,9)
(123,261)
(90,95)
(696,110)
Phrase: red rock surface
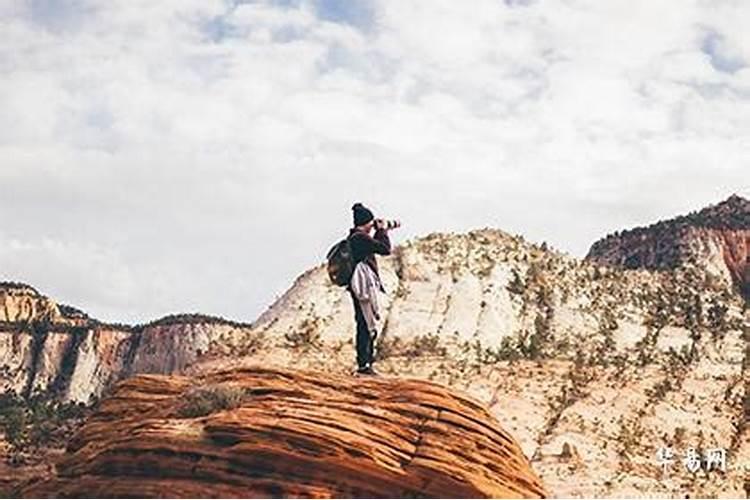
(717,237)
(299,434)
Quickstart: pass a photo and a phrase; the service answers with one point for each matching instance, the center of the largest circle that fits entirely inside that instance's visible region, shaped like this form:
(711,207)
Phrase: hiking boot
(367,370)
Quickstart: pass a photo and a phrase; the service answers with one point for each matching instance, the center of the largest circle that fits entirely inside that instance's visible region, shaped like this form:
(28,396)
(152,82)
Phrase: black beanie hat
(362,214)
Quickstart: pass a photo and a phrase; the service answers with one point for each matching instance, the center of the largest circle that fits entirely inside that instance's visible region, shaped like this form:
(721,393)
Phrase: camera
(388,224)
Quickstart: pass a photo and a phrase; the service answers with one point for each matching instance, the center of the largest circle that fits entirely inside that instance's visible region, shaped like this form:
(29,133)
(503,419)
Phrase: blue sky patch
(720,56)
(59,15)
(357,13)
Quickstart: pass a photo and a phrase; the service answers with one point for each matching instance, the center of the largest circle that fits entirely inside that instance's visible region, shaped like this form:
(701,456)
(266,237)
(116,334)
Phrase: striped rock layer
(283,433)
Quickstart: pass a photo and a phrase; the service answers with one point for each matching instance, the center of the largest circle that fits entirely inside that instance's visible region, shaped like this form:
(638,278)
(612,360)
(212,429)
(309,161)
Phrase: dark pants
(365,342)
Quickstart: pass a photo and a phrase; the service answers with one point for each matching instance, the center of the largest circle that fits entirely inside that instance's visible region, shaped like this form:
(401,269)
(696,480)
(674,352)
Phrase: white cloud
(159,157)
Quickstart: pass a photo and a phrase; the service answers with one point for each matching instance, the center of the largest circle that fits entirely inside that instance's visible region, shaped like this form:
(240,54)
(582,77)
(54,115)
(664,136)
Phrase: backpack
(340,263)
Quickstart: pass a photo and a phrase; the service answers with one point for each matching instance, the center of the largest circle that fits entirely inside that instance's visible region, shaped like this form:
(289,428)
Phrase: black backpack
(340,263)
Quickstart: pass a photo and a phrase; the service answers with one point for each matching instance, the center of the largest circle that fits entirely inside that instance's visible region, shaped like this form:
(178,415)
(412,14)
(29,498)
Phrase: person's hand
(380,224)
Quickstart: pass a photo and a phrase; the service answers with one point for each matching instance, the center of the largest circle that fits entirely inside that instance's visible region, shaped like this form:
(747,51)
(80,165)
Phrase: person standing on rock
(365,283)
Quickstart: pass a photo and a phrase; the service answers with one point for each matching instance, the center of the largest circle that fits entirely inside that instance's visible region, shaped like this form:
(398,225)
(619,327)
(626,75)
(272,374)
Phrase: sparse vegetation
(421,345)
(604,349)
(645,348)
(71,312)
(716,319)
(39,421)
(573,389)
(678,439)
(620,362)
(516,284)
(628,439)
(18,287)
(534,291)
(658,391)
(193,318)
(339,345)
(509,350)
(204,400)
(307,336)
(245,344)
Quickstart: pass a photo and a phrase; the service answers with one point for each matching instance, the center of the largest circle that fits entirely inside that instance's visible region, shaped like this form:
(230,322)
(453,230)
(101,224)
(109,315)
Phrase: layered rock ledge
(278,433)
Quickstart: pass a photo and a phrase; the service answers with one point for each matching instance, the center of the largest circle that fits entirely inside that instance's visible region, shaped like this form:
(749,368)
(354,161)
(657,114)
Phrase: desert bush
(425,345)
(509,350)
(659,390)
(677,360)
(388,347)
(339,345)
(628,438)
(532,344)
(645,348)
(204,400)
(38,421)
(620,362)
(247,345)
(12,419)
(717,320)
(516,284)
(307,336)
(581,374)
(421,345)
(606,346)
(679,437)
(572,390)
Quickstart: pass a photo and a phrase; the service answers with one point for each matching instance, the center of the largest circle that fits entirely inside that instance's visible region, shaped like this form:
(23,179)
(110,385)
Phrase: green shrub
(509,350)
(39,421)
(13,422)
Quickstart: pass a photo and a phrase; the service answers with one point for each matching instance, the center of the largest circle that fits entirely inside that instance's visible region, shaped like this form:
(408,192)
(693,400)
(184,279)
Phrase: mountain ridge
(554,345)
(717,237)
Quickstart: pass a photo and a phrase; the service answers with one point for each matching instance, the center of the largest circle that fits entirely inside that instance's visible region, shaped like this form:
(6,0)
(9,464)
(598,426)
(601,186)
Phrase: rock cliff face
(280,433)
(50,349)
(19,302)
(717,237)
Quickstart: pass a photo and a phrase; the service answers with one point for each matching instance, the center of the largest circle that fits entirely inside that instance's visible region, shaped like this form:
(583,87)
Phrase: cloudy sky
(197,155)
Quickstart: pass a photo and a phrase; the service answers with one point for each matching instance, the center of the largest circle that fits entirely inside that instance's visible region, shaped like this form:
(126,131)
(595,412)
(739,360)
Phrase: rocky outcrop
(278,433)
(591,367)
(20,302)
(59,351)
(172,345)
(717,238)
(495,294)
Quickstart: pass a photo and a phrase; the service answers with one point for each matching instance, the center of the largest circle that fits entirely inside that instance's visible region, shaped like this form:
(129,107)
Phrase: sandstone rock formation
(19,302)
(46,348)
(717,237)
(279,433)
(615,363)
(570,355)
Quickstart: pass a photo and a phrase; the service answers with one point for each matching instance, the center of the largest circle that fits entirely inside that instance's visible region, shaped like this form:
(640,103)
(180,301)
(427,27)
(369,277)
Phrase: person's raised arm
(381,243)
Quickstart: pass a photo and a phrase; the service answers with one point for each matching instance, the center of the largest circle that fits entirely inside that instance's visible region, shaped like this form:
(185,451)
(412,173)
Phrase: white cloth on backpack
(365,284)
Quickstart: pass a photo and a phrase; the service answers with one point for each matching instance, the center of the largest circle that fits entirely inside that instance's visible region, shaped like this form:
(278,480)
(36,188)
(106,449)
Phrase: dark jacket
(364,247)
